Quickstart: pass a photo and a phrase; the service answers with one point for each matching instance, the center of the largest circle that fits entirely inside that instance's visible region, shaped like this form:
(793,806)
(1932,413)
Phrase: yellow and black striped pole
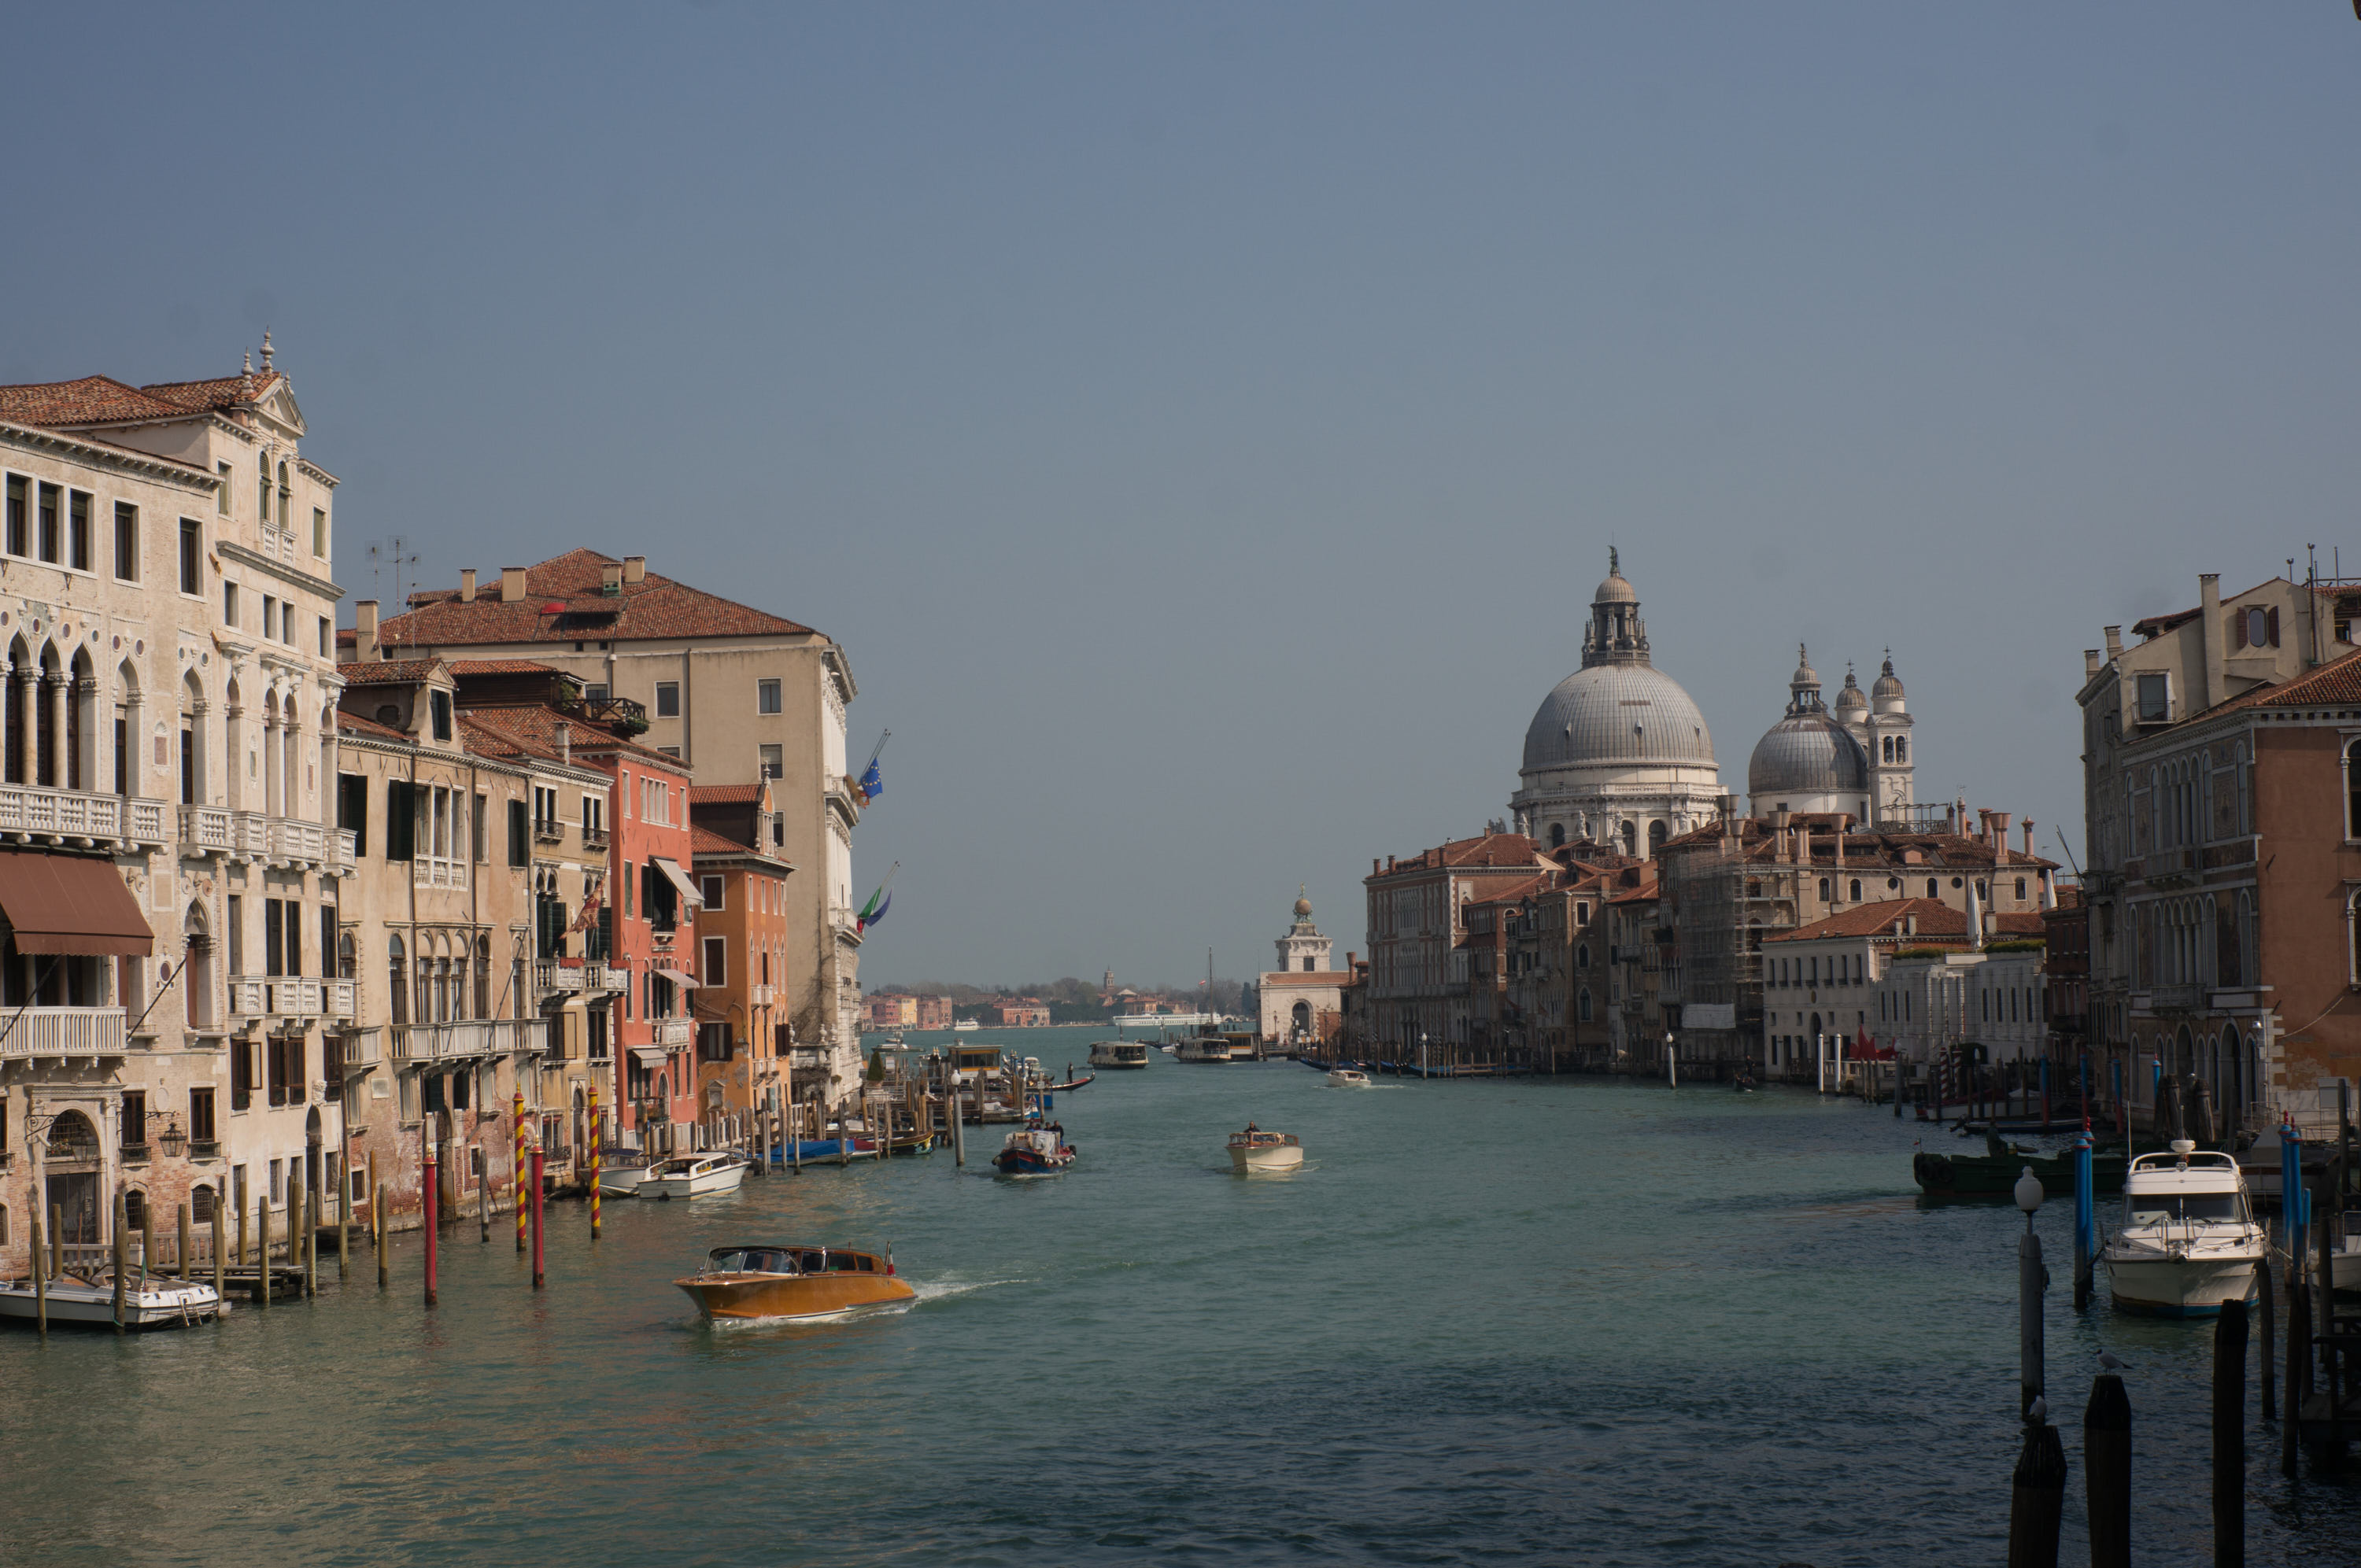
(517,1192)
(595,1140)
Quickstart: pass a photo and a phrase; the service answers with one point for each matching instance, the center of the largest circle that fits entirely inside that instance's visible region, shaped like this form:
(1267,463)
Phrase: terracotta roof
(564,602)
(102,400)
(725,795)
(359,726)
(2338,681)
(533,731)
(1881,848)
(1504,851)
(501,667)
(393,673)
(1937,921)
(2157,625)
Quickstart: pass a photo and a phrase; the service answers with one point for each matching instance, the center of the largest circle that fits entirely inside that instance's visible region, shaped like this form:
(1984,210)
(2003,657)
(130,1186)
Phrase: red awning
(65,904)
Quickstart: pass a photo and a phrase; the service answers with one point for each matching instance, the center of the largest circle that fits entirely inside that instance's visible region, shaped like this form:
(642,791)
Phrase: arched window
(1582,1006)
(1852,891)
(197,968)
(285,495)
(1885,750)
(1557,834)
(201,1204)
(262,489)
(398,982)
(1934,889)
(1824,890)
(1582,955)
(347,965)
(484,975)
(135,1209)
(1656,835)
(1630,832)
(2352,791)
(1902,748)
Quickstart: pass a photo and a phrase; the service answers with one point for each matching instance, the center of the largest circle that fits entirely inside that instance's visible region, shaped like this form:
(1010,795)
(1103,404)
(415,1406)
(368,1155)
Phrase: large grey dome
(1616,713)
(1806,755)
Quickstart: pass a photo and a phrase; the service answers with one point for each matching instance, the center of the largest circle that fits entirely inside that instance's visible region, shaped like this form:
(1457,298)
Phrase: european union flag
(871,785)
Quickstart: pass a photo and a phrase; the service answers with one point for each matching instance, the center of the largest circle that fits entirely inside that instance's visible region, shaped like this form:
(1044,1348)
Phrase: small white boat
(693,1176)
(965,1026)
(1348,1078)
(1255,1151)
(149,1301)
(2188,1241)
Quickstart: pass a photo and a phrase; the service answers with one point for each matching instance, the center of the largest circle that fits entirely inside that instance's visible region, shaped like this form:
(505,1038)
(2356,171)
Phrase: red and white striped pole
(518,1189)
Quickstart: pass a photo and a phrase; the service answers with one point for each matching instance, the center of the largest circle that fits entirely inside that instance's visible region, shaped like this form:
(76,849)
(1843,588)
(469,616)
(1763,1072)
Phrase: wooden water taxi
(743,1283)
(1255,1151)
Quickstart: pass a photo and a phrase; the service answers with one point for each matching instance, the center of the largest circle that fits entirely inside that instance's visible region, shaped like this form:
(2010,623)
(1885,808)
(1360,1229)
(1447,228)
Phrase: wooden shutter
(2271,626)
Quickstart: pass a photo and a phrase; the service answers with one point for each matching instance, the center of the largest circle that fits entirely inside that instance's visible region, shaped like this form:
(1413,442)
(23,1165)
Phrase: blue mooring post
(2295,1203)
(2086,1227)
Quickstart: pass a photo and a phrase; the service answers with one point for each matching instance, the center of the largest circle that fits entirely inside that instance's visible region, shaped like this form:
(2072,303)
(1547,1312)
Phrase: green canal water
(1560,1320)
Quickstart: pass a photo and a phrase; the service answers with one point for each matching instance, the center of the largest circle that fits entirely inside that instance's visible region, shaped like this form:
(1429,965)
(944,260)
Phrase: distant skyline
(1203,428)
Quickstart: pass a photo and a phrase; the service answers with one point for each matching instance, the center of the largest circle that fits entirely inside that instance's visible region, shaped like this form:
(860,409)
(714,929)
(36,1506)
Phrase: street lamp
(172,1140)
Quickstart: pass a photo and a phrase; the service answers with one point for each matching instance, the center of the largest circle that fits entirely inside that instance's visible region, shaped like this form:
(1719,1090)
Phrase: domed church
(1856,760)
(1618,753)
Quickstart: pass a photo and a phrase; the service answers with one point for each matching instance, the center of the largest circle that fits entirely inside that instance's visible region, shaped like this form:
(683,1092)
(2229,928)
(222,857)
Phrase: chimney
(467,585)
(610,579)
(635,569)
(2114,642)
(512,583)
(364,630)
(2210,631)
(565,744)
(2091,662)
(1910,924)
(2028,838)
(1352,960)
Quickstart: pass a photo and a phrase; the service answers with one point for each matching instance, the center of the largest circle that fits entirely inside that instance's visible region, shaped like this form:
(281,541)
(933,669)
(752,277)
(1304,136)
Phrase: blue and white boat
(2188,1241)
(1033,1151)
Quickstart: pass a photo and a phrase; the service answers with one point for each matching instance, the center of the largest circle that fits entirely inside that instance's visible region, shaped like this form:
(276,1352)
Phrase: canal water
(1561,1319)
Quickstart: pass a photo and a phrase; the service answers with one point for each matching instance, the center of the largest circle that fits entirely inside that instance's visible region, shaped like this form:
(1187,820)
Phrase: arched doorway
(1301,1020)
(70,1169)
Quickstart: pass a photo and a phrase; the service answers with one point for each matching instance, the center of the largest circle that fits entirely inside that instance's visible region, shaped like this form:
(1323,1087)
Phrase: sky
(1203,427)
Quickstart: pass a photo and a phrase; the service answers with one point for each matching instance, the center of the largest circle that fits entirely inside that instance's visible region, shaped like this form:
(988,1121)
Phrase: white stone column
(270,780)
(53,694)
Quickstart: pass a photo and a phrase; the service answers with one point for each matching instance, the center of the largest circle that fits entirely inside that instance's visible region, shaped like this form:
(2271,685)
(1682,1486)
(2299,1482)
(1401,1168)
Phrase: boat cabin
(2200,1188)
(970,1062)
(792,1260)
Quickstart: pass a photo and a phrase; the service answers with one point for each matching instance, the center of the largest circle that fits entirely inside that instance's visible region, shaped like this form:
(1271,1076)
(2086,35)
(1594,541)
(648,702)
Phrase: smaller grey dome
(1887,684)
(1614,590)
(1850,700)
(1806,754)
(1805,678)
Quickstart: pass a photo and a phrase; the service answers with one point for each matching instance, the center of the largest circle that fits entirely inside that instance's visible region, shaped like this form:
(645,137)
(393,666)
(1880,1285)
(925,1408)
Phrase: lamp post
(2031,1279)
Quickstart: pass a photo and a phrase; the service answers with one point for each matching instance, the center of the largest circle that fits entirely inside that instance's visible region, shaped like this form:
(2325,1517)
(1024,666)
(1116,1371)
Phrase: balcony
(604,978)
(357,1052)
(564,978)
(63,1032)
(89,821)
(255,837)
(617,712)
(594,837)
(417,1045)
(2176,998)
(676,1033)
(433,870)
(548,831)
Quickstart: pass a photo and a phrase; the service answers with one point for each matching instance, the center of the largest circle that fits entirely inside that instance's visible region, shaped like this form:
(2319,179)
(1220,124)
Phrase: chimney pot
(2114,640)
(611,578)
(565,744)
(512,583)
(2091,662)
(467,585)
(2028,838)
(364,630)
(635,569)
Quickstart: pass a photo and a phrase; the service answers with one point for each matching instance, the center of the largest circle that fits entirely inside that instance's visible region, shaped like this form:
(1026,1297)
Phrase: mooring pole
(595,1141)
(40,1279)
(518,1185)
(220,1280)
(2107,1463)
(2085,1221)
(121,1258)
(2037,1499)
(433,1219)
(2029,1282)
(378,1218)
(262,1246)
(537,1275)
(2266,1319)
(2230,1436)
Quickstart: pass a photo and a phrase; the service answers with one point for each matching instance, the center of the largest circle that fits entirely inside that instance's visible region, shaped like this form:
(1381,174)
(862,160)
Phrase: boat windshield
(2210,1208)
(753,1260)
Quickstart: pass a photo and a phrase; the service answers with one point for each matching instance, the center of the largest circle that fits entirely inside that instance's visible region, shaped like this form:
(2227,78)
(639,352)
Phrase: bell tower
(1303,950)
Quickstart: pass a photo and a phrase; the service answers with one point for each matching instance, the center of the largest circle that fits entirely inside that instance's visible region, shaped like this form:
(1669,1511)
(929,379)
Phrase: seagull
(2112,1362)
(2038,1413)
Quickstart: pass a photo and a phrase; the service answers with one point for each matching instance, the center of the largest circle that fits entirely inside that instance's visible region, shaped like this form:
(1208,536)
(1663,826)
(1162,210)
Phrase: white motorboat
(2188,1241)
(693,1176)
(1254,1151)
(1118,1053)
(1348,1078)
(149,1300)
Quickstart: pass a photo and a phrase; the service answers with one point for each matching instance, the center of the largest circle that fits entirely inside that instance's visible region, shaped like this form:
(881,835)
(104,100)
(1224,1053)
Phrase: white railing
(77,814)
(675,1033)
(564,978)
(295,998)
(359,1051)
(204,830)
(467,1037)
(249,996)
(604,977)
(341,997)
(64,1031)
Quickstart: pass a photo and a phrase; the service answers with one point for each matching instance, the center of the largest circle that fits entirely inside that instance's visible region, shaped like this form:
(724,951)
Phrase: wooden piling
(182,1260)
(146,1241)
(241,1235)
(40,1279)
(57,1240)
(434,1220)
(2030,1359)
(538,1277)
(2298,1357)
(2230,1436)
(2037,1499)
(221,1279)
(2107,1472)
(310,1240)
(122,1250)
(344,1222)
(262,1246)
(377,1222)
(2265,1310)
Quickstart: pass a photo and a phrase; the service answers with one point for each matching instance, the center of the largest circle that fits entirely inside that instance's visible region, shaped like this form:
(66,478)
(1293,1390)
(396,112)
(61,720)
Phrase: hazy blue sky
(1204,424)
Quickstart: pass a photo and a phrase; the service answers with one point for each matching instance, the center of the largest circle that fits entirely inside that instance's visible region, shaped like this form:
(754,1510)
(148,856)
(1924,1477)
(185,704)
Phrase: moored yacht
(2188,1241)
(149,1300)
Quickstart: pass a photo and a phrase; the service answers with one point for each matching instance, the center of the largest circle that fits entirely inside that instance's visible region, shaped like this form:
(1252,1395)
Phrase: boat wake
(942,1290)
(850,1315)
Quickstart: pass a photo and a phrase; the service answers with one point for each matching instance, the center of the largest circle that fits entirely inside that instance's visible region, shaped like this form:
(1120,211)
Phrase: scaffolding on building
(1718,905)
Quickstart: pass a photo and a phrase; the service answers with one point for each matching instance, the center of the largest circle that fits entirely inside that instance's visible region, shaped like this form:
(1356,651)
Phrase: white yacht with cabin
(2190,1241)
